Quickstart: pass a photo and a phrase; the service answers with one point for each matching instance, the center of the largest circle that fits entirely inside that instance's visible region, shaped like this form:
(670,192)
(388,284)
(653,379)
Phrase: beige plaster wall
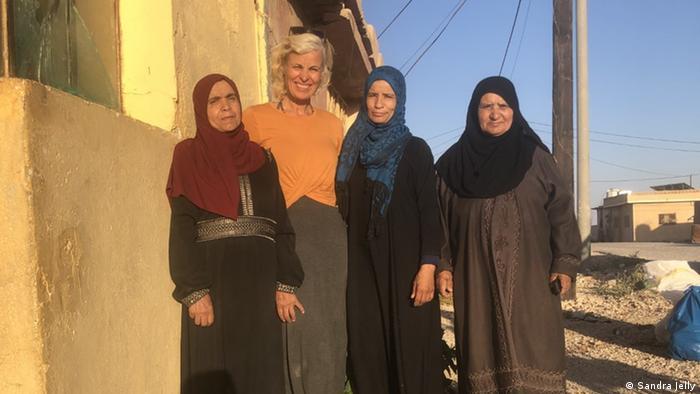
(225,44)
(21,353)
(148,83)
(648,229)
(100,220)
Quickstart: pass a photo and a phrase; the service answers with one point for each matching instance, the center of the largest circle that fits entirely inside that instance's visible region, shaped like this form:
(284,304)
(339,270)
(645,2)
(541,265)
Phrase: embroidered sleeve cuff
(285,288)
(428,259)
(194,297)
(566,264)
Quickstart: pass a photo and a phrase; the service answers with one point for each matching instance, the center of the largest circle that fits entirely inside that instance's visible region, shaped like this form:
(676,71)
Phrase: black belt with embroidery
(244,226)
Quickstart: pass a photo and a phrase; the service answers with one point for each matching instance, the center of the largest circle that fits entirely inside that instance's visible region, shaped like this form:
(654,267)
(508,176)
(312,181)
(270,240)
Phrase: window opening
(68,44)
(667,218)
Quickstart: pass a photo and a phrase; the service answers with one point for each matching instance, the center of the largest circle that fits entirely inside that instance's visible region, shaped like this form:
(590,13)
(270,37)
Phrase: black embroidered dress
(238,263)
(509,325)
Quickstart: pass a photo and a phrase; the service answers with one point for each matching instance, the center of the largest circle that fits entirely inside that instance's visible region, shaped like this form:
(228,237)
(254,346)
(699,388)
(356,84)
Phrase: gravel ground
(610,340)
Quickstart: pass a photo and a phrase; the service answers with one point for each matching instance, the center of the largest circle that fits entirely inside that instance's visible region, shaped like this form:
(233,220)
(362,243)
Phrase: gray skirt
(315,345)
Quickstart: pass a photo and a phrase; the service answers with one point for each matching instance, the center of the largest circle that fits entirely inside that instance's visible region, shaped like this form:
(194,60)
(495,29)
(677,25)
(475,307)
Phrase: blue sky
(644,76)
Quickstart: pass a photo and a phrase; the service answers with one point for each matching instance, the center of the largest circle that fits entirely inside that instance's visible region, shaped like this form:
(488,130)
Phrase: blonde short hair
(299,44)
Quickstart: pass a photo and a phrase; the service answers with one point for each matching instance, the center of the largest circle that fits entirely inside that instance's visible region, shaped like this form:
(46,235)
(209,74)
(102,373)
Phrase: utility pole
(563,91)
(583,179)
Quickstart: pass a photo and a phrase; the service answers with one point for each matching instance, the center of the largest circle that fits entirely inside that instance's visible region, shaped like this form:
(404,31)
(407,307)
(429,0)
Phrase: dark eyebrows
(214,99)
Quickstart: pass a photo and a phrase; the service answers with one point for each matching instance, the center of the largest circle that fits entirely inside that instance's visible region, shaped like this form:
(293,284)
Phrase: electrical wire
(510,37)
(395,18)
(631,145)
(629,168)
(643,146)
(643,179)
(432,137)
(436,38)
(631,136)
(520,43)
(437,28)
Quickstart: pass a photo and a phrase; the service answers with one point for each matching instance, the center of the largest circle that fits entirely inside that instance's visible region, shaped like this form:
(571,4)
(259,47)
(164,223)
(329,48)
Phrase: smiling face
(495,115)
(381,102)
(302,75)
(223,107)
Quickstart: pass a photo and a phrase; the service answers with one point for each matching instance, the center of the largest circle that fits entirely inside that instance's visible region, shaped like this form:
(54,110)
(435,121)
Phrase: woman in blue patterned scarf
(386,193)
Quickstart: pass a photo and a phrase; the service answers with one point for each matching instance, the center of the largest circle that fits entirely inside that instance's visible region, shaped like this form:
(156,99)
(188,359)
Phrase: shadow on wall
(665,233)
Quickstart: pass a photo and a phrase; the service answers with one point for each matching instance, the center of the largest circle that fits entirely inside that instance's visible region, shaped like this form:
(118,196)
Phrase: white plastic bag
(671,278)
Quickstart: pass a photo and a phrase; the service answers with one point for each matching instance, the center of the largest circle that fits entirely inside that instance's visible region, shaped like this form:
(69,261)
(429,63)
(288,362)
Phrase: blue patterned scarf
(378,146)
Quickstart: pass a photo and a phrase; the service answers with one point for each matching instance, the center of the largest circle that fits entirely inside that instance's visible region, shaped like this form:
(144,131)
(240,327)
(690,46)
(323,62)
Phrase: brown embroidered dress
(238,263)
(509,325)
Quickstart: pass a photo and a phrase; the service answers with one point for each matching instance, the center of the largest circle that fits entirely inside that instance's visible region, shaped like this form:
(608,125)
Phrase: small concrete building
(656,216)
(94,94)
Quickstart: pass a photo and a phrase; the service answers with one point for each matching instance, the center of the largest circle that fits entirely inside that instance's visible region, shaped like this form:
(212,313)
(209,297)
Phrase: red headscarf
(205,168)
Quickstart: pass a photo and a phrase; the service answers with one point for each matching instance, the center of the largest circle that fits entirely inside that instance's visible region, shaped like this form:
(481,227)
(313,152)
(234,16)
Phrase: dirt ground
(610,340)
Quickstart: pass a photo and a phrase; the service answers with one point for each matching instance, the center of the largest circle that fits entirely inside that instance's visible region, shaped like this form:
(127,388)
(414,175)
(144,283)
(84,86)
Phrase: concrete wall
(648,229)
(226,43)
(21,350)
(148,83)
(89,249)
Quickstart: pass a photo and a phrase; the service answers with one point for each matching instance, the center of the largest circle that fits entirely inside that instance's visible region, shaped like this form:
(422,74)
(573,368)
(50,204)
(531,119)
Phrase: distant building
(663,215)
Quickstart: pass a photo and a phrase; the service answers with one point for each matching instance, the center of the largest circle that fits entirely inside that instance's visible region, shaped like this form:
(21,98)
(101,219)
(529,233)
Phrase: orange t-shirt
(306,149)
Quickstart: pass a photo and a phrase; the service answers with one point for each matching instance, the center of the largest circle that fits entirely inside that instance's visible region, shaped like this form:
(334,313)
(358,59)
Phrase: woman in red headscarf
(231,247)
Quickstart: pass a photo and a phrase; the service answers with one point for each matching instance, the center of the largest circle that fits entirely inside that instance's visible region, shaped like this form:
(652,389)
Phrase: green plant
(626,282)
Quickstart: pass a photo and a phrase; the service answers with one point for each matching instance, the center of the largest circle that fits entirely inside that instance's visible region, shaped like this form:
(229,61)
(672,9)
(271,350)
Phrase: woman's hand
(564,280)
(286,302)
(444,283)
(202,312)
(424,285)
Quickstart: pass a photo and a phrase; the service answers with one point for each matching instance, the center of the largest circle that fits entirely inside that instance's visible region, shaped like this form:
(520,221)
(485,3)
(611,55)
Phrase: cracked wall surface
(86,255)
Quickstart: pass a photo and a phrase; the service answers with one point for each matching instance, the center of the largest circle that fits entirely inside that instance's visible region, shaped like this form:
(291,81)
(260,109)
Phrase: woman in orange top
(306,142)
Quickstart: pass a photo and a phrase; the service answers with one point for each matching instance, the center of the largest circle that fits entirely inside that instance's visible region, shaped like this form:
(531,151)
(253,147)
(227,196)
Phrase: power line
(632,145)
(666,175)
(622,143)
(643,146)
(432,137)
(631,136)
(395,18)
(437,28)
(438,36)
(510,37)
(520,43)
(628,168)
(644,179)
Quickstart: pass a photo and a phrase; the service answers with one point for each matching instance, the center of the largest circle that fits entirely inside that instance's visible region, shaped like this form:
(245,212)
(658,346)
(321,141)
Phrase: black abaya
(394,347)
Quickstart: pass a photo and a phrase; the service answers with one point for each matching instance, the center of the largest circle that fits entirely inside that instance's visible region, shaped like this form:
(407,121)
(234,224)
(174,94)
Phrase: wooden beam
(5,26)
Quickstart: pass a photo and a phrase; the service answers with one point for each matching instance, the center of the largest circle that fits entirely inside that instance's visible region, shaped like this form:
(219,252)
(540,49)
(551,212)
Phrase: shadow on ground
(634,336)
(607,376)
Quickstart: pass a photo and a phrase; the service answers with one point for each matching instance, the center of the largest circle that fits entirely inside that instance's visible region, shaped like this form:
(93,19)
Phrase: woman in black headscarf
(386,193)
(514,246)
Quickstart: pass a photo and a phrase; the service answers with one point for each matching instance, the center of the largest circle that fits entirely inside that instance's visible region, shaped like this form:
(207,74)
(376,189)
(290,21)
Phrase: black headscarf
(482,166)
